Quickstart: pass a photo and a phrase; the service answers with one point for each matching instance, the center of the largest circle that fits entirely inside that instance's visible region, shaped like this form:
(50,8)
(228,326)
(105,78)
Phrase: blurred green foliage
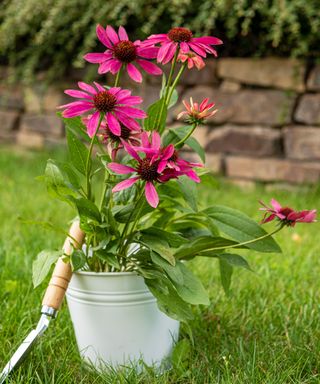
(55,34)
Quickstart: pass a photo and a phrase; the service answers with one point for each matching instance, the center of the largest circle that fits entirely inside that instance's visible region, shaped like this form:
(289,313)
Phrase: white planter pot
(117,321)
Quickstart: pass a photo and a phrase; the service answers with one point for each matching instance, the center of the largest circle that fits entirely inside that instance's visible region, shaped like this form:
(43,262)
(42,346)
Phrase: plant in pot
(136,201)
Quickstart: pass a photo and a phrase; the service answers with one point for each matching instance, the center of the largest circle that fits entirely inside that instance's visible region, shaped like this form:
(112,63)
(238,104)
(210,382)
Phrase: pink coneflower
(115,103)
(192,59)
(286,215)
(181,38)
(197,113)
(147,168)
(123,52)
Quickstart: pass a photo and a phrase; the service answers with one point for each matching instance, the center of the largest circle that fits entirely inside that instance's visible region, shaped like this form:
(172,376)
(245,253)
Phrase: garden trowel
(51,302)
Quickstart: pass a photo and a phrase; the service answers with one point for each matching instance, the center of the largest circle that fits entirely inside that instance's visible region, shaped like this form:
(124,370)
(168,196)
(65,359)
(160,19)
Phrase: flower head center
(104,101)
(286,211)
(125,51)
(148,170)
(180,35)
(125,134)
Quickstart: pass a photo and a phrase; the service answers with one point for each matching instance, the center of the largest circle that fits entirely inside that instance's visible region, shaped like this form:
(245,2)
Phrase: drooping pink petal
(147,52)
(193,176)
(113,124)
(125,184)
(155,140)
(122,34)
(120,168)
(150,67)
(78,94)
(184,47)
(168,152)
(102,36)
(134,73)
(145,139)
(86,87)
(268,219)
(93,123)
(163,51)
(161,166)
(75,103)
(128,121)
(105,66)
(112,34)
(115,66)
(132,112)
(95,58)
(207,40)
(198,49)
(131,151)
(130,100)
(151,194)
(169,56)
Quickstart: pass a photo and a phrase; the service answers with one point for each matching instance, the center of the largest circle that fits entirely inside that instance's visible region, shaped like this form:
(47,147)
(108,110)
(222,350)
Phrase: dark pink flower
(286,215)
(114,103)
(192,59)
(148,168)
(123,52)
(181,38)
(197,113)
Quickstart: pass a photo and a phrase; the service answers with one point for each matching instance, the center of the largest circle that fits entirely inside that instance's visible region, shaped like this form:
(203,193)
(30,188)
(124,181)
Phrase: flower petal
(125,184)
(134,73)
(93,123)
(102,36)
(132,112)
(207,40)
(122,33)
(150,67)
(112,34)
(277,207)
(151,194)
(95,58)
(120,168)
(86,87)
(131,151)
(78,94)
(76,111)
(113,124)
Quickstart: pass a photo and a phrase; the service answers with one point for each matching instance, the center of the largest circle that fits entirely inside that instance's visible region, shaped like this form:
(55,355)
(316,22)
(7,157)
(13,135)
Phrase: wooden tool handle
(62,272)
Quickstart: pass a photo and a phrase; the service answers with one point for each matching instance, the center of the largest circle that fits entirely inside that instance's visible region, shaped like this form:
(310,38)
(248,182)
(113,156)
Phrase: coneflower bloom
(114,103)
(183,39)
(147,168)
(287,216)
(123,52)
(197,113)
(192,60)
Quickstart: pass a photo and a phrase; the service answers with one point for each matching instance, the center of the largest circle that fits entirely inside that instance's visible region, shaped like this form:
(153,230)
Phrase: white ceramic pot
(117,321)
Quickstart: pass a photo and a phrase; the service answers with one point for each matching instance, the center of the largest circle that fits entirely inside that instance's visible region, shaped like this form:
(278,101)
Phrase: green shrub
(54,34)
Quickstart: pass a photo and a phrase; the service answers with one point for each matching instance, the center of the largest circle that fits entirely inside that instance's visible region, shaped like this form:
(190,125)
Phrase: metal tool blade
(25,347)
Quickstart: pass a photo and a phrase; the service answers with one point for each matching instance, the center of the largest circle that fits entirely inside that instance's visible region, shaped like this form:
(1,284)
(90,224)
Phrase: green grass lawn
(267,331)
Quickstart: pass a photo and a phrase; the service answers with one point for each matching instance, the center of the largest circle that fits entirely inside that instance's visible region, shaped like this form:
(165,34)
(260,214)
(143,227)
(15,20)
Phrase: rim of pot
(91,273)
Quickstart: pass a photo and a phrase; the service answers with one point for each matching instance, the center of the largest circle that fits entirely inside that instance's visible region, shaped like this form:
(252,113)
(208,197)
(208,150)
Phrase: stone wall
(267,127)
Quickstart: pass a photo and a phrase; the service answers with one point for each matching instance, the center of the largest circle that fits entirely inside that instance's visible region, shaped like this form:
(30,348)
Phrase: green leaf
(131,212)
(195,145)
(78,259)
(170,303)
(86,208)
(173,99)
(173,272)
(108,257)
(189,192)
(76,125)
(173,239)
(159,246)
(234,260)
(241,228)
(203,243)
(225,273)
(153,121)
(72,176)
(78,152)
(192,291)
(41,266)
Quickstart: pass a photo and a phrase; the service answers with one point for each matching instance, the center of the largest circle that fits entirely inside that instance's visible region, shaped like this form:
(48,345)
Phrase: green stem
(104,190)
(89,157)
(247,242)
(117,79)
(194,126)
(183,67)
(174,61)
(125,229)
